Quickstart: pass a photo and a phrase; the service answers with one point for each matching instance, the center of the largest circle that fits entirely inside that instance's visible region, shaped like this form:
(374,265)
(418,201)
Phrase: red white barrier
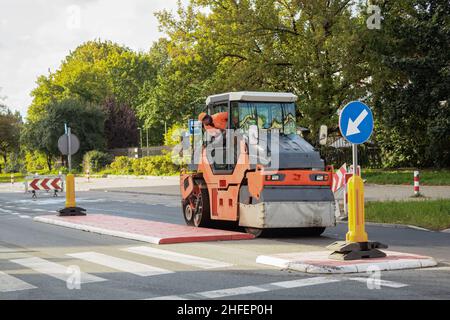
(416,183)
(46,184)
(339,178)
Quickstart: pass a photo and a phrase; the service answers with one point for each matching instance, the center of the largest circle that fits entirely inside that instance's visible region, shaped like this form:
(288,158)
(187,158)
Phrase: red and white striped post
(416,183)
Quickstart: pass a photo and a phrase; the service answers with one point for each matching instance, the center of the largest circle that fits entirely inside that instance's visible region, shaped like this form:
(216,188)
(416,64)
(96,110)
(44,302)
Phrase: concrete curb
(111,176)
(318,263)
(119,234)
(137,192)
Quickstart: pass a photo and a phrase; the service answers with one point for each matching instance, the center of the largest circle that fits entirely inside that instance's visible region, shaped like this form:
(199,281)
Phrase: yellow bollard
(70,191)
(357,244)
(356,227)
(71,208)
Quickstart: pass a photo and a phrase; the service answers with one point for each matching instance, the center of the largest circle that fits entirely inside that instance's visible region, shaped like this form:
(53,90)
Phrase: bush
(95,161)
(122,165)
(153,166)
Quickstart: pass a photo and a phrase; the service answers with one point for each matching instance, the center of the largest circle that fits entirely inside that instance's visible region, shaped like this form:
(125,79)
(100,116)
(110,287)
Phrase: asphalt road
(40,261)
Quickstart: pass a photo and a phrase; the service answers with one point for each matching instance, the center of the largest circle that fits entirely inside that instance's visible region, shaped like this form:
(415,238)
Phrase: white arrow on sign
(352,127)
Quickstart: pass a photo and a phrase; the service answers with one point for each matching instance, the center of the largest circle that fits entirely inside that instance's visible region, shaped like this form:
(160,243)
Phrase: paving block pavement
(142,230)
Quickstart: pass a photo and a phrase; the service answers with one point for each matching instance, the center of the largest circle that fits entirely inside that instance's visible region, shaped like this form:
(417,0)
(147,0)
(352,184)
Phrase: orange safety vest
(220,121)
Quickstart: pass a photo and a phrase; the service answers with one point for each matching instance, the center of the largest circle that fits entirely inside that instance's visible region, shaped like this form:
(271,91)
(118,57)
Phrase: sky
(36,35)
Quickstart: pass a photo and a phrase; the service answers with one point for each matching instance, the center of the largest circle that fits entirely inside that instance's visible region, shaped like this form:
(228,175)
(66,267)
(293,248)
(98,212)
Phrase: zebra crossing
(47,267)
(32,265)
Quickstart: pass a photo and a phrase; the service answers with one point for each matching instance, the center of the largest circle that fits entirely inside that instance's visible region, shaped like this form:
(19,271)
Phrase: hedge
(152,166)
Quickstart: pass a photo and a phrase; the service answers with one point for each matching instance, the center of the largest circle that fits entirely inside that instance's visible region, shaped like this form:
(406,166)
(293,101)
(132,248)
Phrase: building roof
(252,97)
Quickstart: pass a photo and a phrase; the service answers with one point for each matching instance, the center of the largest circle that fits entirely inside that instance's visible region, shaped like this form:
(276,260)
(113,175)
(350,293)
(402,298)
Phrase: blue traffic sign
(195,127)
(356,122)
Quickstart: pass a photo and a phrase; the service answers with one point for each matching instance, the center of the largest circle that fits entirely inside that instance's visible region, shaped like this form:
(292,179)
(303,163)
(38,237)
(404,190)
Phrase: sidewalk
(107,184)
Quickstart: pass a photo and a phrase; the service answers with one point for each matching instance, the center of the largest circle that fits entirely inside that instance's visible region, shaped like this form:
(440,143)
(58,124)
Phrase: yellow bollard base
(74,211)
(356,250)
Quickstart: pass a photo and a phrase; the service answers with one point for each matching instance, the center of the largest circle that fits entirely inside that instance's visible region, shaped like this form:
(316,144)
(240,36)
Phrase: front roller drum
(196,210)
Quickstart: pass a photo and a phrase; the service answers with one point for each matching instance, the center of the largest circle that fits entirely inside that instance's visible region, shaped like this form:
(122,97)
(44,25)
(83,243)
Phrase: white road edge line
(123,265)
(9,283)
(182,258)
(54,270)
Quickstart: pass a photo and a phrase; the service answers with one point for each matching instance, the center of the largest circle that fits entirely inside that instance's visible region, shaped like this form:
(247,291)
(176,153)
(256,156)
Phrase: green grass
(429,214)
(427,177)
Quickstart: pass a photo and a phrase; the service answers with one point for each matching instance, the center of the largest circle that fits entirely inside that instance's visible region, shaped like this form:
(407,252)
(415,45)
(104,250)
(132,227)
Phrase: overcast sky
(35,35)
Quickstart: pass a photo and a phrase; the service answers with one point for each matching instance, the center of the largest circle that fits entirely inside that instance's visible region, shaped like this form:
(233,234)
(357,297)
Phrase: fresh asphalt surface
(33,254)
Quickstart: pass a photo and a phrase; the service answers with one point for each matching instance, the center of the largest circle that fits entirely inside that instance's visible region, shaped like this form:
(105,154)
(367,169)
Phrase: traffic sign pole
(71,208)
(69,142)
(356,125)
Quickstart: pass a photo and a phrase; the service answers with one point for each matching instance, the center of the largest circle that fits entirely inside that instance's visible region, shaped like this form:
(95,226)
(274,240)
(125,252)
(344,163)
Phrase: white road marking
(40,210)
(222,293)
(195,261)
(383,283)
(123,265)
(231,292)
(9,283)
(15,213)
(4,210)
(54,270)
(304,282)
(24,217)
(168,298)
(23,208)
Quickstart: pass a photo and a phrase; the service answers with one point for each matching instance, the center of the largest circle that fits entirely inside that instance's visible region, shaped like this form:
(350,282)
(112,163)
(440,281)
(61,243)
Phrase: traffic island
(142,230)
(319,262)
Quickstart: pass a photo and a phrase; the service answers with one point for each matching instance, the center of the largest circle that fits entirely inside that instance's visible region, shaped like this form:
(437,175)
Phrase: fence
(339,151)
(139,152)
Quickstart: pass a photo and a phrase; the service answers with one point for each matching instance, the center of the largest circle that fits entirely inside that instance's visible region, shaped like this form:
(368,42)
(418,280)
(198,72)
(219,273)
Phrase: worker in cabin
(216,124)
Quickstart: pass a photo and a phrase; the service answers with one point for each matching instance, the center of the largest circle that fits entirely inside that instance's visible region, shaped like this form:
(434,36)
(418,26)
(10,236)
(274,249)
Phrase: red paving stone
(145,230)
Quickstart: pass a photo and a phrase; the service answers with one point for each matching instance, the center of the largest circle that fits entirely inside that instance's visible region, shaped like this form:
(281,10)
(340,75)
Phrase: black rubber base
(356,250)
(75,211)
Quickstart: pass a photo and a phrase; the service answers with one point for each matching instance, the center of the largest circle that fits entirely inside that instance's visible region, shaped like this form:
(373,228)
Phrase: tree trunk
(5,158)
(49,162)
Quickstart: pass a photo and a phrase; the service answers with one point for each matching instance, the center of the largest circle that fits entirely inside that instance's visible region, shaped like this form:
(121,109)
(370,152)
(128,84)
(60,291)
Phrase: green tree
(10,126)
(93,72)
(85,119)
(303,46)
(410,62)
